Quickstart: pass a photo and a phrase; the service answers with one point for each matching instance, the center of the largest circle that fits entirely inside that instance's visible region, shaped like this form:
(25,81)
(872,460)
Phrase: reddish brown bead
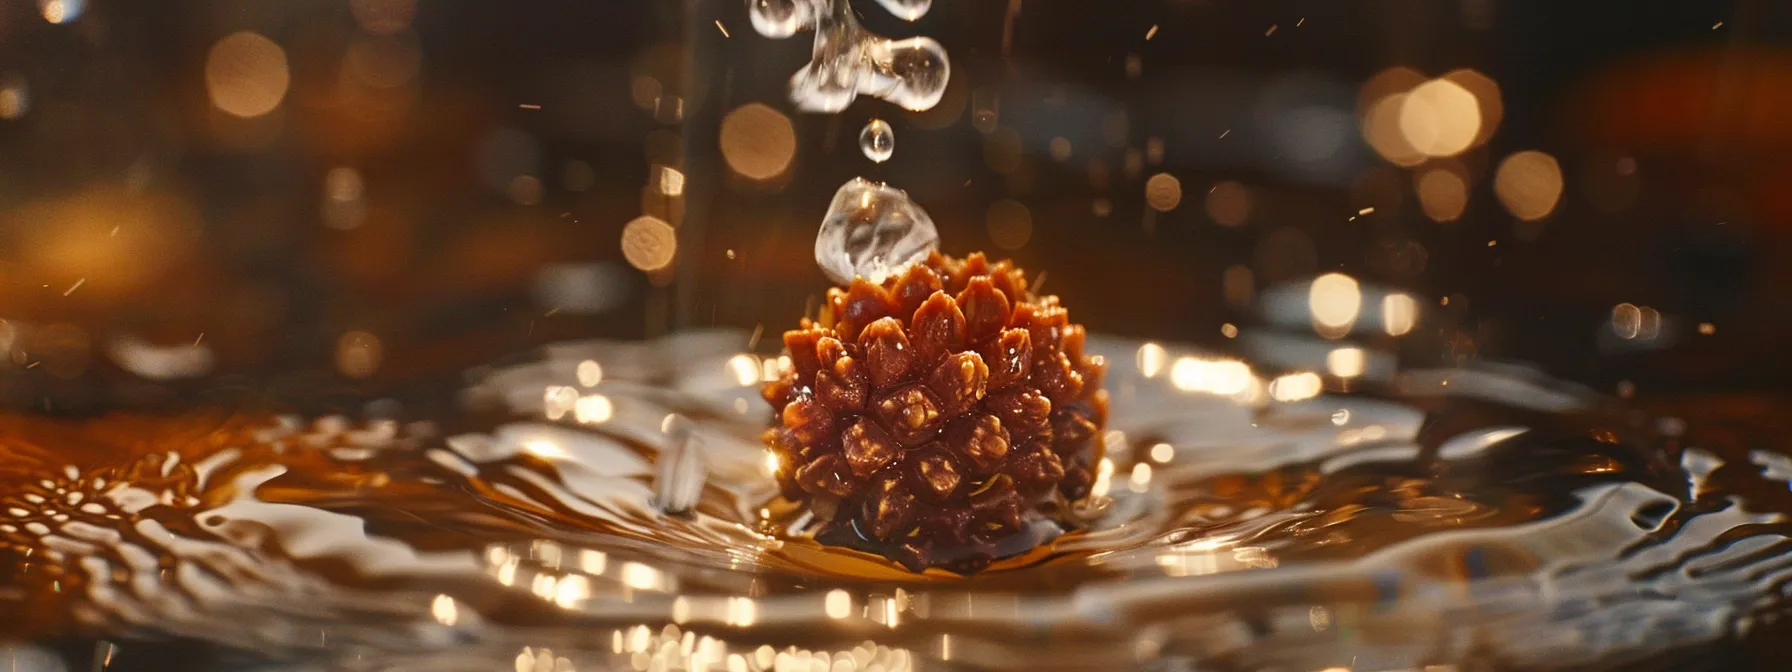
(809,422)
(801,344)
(868,447)
(845,388)
(998,502)
(937,412)
(1010,359)
(890,507)
(959,382)
(861,305)
(911,413)
(1077,481)
(980,440)
(1022,410)
(1072,429)
(1074,336)
(985,308)
(1054,375)
(778,392)
(888,354)
(938,326)
(827,474)
(1008,279)
(936,474)
(1035,468)
(917,283)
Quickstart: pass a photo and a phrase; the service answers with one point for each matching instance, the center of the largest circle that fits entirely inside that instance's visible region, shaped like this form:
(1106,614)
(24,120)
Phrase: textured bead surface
(933,414)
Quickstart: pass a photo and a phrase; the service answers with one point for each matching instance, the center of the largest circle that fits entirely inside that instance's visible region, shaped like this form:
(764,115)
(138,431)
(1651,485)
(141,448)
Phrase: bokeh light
(649,243)
(384,62)
(1407,118)
(1399,313)
(1381,129)
(61,11)
(1010,224)
(1150,359)
(1346,362)
(590,373)
(1487,97)
(344,206)
(1529,184)
(758,142)
(1443,193)
(1334,299)
(383,17)
(1296,386)
(246,74)
(358,354)
(1440,118)
(1163,192)
(1228,203)
(1222,377)
(15,97)
(1002,150)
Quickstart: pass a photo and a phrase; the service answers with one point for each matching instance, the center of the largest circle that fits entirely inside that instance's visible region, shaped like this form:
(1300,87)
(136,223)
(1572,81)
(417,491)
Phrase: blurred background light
(1529,184)
(757,141)
(246,74)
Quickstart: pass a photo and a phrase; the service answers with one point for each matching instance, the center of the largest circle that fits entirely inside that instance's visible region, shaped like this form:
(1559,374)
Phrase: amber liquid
(335,539)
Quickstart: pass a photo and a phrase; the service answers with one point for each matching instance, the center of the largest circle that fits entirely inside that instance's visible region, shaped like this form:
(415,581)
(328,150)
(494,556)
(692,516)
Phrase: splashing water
(849,60)
(778,19)
(877,141)
(907,10)
(872,230)
(1509,521)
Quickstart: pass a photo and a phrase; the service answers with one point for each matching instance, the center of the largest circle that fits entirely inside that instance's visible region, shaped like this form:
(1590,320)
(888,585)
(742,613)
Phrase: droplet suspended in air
(849,60)
(878,141)
(907,10)
(872,230)
(778,19)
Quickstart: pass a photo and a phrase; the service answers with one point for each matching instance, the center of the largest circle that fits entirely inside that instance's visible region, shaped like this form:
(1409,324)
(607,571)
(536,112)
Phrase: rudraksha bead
(932,415)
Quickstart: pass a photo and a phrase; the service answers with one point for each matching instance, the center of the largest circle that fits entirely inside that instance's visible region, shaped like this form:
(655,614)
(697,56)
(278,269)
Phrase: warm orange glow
(1440,118)
(757,141)
(1334,299)
(358,354)
(1381,129)
(1529,184)
(246,74)
(649,243)
(1443,193)
(1163,192)
(1010,224)
(1229,203)
(1487,96)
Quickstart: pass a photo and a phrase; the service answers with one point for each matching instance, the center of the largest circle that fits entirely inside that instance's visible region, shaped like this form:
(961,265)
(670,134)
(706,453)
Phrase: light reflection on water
(1452,515)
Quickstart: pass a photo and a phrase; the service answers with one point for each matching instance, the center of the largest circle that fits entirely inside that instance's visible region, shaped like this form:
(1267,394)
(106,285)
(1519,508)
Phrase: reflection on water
(1246,520)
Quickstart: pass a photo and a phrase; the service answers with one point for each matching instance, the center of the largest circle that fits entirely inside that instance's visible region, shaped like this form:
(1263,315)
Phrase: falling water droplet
(907,10)
(877,141)
(778,19)
(872,230)
(849,60)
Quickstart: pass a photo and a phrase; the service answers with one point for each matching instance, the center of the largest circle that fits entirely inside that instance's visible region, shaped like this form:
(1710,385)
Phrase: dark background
(501,148)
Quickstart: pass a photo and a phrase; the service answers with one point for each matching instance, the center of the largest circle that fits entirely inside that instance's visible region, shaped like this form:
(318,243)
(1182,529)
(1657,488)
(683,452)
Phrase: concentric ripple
(1440,517)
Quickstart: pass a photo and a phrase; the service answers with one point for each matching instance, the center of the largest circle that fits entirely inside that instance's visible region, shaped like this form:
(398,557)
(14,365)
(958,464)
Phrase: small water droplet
(872,230)
(778,19)
(878,141)
(907,10)
(849,60)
